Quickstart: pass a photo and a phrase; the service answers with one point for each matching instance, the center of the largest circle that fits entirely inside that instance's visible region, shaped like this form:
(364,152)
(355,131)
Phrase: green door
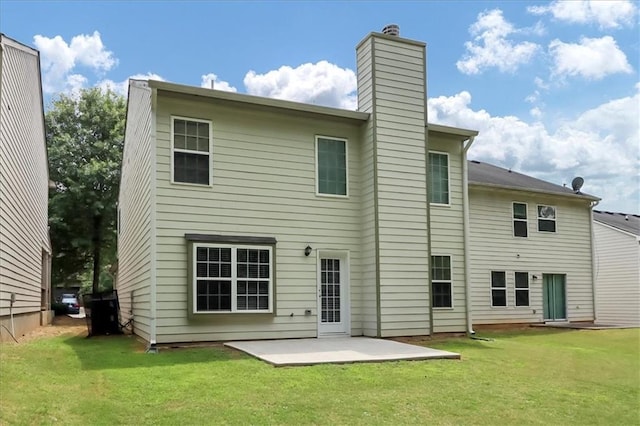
(555,306)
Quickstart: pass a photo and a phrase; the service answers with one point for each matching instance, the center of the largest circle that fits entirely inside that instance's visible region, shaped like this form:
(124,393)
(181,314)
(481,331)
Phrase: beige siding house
(617,267)
(25,249)
(531,249)
(251,218)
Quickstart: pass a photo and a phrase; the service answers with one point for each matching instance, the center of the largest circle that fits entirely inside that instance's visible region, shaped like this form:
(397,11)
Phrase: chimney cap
(392,30)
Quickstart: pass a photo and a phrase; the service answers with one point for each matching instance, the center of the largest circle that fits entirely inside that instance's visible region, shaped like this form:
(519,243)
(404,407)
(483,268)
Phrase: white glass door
(333,309)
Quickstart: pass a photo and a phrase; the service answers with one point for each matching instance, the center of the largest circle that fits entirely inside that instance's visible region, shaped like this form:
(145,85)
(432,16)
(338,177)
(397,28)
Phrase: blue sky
(551,86)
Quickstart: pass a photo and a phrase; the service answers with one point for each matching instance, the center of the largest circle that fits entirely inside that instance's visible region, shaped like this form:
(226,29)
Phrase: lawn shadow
(125,351)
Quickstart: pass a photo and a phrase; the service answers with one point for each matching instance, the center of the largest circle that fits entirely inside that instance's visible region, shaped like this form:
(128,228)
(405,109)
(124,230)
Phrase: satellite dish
(577,183)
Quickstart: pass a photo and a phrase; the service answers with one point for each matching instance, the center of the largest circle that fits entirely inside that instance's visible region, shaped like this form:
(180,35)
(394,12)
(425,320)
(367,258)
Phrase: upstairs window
(519,220)
(498,288)
(438,178)
(522,289)
(191,151)
(331,166)
(546,219)
(441,291)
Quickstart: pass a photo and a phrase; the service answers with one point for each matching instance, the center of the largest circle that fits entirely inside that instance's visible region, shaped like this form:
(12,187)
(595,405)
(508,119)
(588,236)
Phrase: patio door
(554,295)
(333,294)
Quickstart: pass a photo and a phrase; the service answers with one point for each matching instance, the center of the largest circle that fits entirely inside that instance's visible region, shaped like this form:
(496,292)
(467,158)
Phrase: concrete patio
(339,350)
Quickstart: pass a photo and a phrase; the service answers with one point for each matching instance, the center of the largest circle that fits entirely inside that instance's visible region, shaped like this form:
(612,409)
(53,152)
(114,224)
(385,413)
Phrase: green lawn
(537,376)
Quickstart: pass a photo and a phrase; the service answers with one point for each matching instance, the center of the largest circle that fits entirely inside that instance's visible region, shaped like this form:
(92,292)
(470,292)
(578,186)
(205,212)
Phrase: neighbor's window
(546,218)
(522,289)
(191,150)
(441,291)
(232,278)
(519,220)
(498,288)
(331,166)
(438,178)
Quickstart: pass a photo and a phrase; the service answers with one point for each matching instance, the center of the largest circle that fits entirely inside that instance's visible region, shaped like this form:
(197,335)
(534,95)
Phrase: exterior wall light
(307,250)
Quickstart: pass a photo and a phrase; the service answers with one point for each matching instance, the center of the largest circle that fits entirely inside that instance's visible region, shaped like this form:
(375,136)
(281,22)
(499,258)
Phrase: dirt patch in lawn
(62,325)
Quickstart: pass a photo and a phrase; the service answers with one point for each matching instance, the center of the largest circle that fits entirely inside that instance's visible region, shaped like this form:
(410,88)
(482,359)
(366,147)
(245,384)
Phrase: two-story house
(25,249)
(244,217)
(530,249)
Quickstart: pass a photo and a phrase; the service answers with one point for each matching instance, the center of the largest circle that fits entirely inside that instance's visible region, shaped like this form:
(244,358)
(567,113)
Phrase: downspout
(593,261)
(466,231)
(428,201)
(428,179)
(153,239)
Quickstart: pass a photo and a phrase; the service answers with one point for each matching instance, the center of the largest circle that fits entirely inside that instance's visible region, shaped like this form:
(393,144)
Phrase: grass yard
(537,376)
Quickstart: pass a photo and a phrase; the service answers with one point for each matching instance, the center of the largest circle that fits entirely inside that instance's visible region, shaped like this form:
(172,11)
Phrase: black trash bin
(102,312)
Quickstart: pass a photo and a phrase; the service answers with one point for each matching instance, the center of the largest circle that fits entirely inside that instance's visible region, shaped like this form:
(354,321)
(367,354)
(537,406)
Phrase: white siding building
(25,249)
(617,267)
(531,252)
(245,218)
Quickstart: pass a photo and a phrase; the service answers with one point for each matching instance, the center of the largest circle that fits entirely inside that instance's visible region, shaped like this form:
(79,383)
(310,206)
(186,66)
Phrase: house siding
(494,248)
(24,236)
(617,264)
(447,236)
(396,99)
(263,186)
(134,204)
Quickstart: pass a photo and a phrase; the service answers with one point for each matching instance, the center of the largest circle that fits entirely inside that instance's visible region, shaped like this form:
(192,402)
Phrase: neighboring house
(25,249)
(531,249)
(617,265)
(244,217)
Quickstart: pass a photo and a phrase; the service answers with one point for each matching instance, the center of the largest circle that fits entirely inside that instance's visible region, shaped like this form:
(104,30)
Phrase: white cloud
(321,83)
(536,112)
(601,145)
(592,58)
(59,60)
(207,79)
(122,87)
(606,14)
(491,47)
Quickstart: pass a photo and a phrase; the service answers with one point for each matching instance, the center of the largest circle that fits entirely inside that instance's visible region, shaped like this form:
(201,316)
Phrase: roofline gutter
(536,191)
(466,231)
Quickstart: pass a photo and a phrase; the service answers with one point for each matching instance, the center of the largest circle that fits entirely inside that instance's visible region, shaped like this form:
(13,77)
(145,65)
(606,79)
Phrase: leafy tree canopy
(85,136)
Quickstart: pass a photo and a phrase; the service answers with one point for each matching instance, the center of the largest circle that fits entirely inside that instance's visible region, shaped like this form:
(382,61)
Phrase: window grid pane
(330,297)
(216,287)
(441,287)
(191,147)
(522,288)
(332,167)
(438,178)
(498,288)
(546,218)
(520,220)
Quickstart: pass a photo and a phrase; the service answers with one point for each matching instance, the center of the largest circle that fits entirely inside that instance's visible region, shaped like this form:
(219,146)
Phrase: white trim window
(498,288)
(439,178)
(441,285)
(546,218)
(191,151)
(332,177)
(520,223)
(229,278)
(522,288)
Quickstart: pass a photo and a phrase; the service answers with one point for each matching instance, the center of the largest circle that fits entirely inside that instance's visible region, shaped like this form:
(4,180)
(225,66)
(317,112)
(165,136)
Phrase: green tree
(85,137)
